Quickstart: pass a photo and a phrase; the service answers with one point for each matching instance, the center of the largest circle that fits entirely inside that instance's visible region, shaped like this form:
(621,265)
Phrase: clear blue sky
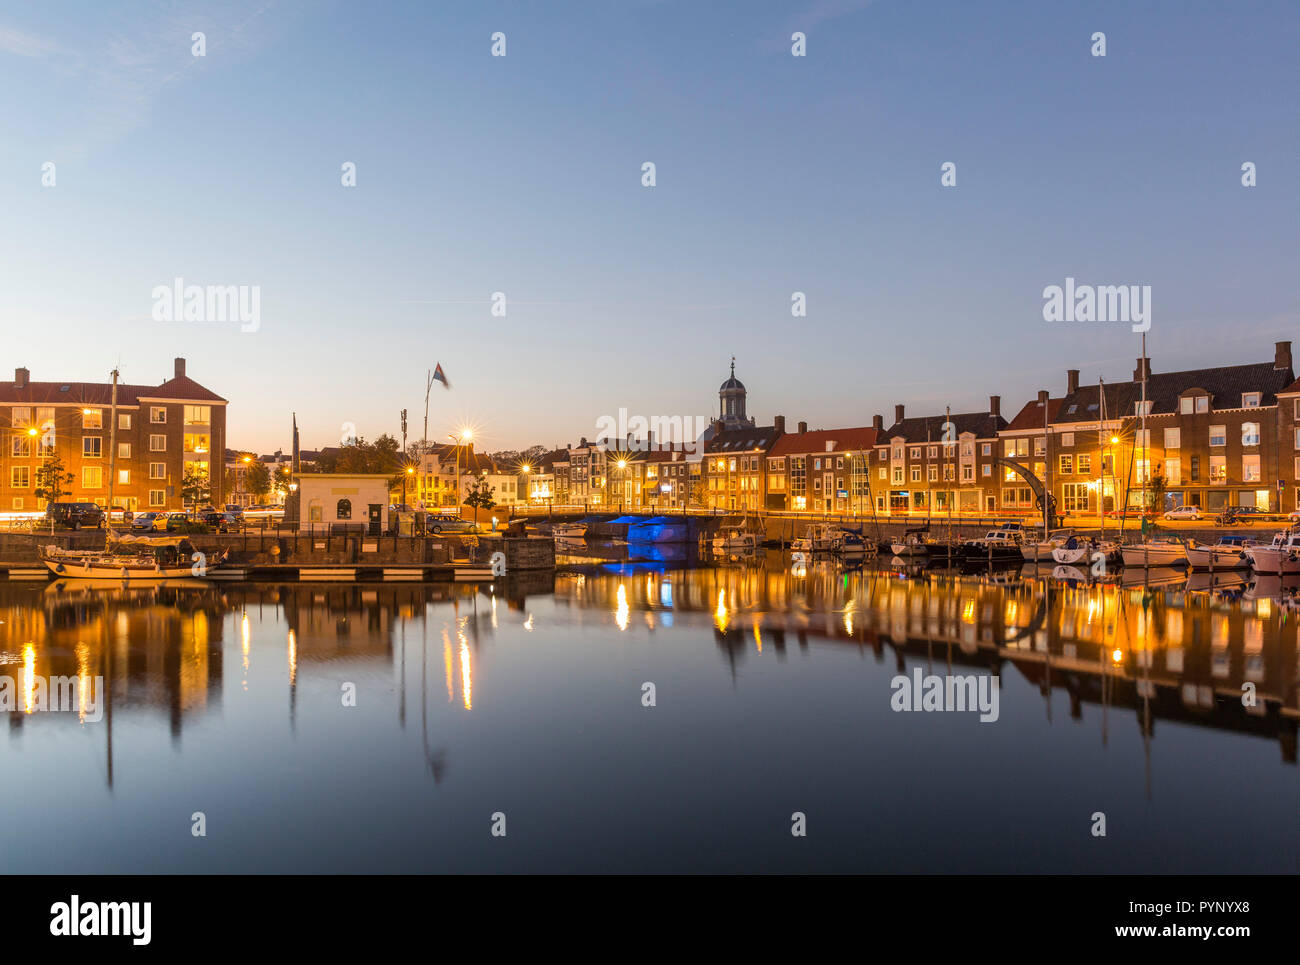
(522,174)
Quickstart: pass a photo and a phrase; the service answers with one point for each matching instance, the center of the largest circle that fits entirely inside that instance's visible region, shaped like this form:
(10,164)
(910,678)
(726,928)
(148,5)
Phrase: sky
(522,174)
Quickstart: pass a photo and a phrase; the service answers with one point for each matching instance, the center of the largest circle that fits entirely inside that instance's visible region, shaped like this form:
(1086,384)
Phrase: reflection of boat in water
(65,586)
(1069,574)
(130,558)
(1152,575)
(1202,582)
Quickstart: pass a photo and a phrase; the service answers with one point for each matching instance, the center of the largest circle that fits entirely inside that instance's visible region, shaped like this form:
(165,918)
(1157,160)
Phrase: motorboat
(569,530)
(913,543)
(1165,551)
(1229,553)
(129,558)
(830,538)
(1250,545)
(735,541)
(1281,557)
(997,545)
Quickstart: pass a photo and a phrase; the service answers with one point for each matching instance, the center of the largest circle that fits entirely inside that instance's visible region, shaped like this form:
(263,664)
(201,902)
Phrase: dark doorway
(375,518)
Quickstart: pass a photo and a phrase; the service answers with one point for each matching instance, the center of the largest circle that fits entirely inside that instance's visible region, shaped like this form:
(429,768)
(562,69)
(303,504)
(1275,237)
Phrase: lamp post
(622,482)
(465,436)
(524,470)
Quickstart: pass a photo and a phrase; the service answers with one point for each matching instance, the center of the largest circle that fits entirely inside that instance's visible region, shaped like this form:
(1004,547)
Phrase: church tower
(731,402)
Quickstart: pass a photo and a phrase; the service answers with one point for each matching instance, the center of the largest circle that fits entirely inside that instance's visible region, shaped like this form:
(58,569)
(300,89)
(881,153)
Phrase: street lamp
(622,482)
(466,435)
(524,470)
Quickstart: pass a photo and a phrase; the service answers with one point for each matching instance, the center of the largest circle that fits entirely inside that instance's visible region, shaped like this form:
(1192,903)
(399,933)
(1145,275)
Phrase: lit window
(157,414)
(92,418)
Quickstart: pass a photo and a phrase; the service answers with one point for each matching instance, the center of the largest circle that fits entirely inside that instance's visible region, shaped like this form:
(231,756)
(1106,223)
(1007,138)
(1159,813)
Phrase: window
(1172,438)
(1250,433)
(92,477)
(157,470)
(914,452)
(898,474)
(947,473)
(124,420)
(22,446)
(967,473)
(124,450)
(198,415)
(1142,408)
(986,470)
(1249,400)
(1218,435)
(343,510)
(817,463)
(1084,463)
(932,452)
(1142,439)
(1296,440)
(1194,469)
(1186,404)
(157,443)
(967,449)
(1067,440)
(124,477)
(1173,472)
(1218,469)
(20,477)
(18,502)
(1040,447)
(883,474)
(1076,497)
(92,418)
(1066,465)
(157,497)
(92,447)
(196,442)
(839,462)
(1250,468)
(986,449)
(898,452)
(158,414)
(933,474)
(916,474)
(1202,403)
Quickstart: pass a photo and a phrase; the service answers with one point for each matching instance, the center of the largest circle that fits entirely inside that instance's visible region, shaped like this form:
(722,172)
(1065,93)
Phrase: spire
(296,467)
(733,366)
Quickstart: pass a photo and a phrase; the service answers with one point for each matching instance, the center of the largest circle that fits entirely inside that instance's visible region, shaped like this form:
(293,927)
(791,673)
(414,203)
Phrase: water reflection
(534,683)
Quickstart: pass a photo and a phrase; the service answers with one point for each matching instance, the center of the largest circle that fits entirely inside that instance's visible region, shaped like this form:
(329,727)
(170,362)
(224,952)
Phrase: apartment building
(161,432)
(824,471)
(941,463)
(734,473)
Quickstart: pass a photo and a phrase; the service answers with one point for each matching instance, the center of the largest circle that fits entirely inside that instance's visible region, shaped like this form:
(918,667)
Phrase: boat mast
(112,448)
(1101,442)
(1146,463)
(1047,461)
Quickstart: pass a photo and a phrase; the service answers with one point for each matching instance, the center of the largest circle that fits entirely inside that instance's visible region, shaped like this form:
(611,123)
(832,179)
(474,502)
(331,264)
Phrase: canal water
(653,716)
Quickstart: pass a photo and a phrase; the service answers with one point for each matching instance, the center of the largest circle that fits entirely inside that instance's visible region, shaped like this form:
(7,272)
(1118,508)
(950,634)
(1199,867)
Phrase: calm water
(773,695)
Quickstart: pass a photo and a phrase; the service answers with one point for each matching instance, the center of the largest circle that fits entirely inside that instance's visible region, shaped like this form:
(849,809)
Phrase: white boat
(830,538)
(1081,550)
(1156,552)
(1250,546)
(1036,550)
(1228,553)
(132,558)
(1282,557)
(569,530)
(912,544)
(735,541)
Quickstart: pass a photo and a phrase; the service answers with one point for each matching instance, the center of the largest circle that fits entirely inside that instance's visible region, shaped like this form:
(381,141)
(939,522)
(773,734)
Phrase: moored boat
(569,530)
(1282,557)
(1228,553)
(132,558)
(1156,552)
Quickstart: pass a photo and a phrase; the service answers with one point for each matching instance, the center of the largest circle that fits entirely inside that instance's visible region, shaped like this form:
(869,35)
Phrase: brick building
(824,471)
(939,463)
(161,431)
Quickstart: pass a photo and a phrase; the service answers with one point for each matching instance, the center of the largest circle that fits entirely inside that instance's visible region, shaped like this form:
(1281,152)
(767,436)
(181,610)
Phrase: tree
(1156,489)
(257,479)
(281,479)
(195,486)
(479,495)
(53,479)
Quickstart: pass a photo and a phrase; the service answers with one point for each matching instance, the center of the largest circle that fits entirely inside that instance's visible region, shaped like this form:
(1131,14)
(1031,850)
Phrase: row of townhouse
(163,433)
(1210,438)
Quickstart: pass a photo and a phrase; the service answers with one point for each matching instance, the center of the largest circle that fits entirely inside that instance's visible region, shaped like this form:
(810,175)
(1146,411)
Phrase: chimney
(22,375)
(1071,381)
(779,423)
(1043,396)
(898,413)
(1281,355)
(1143,369)
(995,406)
(180,368)
(878,423)
(803,427)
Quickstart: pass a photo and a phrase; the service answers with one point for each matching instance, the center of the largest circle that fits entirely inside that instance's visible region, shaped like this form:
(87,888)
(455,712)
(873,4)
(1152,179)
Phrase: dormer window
(1249,400)
(1142,408)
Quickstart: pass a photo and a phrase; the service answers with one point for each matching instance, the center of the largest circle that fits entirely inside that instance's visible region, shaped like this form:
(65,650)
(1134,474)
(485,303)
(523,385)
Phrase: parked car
(441,524)
(147,522)
(235,510)
(1240,514)
(1132,513)
(75,515)
(1184,512)
(175,521)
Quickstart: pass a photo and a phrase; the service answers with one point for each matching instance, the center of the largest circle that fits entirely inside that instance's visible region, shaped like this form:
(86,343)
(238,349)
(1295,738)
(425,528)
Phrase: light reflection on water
(773,696)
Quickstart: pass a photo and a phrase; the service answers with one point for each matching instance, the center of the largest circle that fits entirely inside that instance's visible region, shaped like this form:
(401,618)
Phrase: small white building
(351,498)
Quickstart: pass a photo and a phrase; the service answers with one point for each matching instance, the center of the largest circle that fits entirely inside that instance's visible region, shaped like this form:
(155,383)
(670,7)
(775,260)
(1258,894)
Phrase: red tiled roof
(807,443)
(1031,416)
(101,393)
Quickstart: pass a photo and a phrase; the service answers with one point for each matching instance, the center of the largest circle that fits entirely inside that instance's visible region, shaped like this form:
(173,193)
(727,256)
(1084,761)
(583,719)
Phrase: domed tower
(731,402)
